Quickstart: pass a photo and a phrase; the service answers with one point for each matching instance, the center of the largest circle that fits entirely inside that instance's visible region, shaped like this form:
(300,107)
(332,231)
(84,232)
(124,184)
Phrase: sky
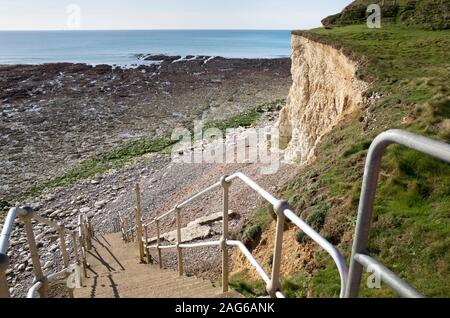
(165,14)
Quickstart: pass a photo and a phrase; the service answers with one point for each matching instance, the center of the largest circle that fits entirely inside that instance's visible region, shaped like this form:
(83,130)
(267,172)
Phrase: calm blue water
(119,47)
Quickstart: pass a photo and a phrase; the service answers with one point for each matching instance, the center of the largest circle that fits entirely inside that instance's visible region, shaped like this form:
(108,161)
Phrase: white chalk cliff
(325,88)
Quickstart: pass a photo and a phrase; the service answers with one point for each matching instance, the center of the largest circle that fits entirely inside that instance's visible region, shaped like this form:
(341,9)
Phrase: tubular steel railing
(350,281)
(360,259)
(282,211)
(81,238)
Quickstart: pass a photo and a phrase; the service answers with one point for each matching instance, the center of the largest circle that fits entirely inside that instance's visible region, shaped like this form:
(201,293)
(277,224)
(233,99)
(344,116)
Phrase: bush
(251,236)
(301,237)
(427,14)
(316,218)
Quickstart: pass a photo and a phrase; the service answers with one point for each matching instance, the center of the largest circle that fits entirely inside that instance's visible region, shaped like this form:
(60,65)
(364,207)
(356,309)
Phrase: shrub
(316,218)
(301,237)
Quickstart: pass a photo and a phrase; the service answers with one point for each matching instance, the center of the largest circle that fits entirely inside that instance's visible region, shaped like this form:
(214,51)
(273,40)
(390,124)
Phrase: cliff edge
(325,89)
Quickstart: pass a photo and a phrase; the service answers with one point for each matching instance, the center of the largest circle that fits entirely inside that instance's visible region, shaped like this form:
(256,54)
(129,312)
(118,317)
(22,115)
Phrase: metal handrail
(282,207)
(251,259)
(34,289)
(27,215)
(50,278)
(359,258)
(282,210)
(350,281)
(184,203)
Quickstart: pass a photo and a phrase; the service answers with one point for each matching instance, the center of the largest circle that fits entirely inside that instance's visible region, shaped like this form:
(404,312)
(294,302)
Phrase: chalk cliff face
(325,88)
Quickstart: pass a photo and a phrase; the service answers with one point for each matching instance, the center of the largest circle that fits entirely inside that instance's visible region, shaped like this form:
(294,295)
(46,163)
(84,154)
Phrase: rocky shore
(54,116)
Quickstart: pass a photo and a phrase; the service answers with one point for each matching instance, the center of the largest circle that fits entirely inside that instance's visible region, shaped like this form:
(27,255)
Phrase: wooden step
(116,272)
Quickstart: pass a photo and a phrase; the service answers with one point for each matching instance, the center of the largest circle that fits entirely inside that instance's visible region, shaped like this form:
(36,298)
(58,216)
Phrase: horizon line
(156,29)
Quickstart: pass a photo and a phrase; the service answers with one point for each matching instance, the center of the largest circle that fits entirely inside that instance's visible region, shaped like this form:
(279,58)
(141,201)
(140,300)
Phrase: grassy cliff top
(410,69)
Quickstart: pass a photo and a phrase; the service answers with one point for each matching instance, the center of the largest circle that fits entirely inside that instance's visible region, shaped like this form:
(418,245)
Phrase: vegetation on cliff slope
(427,14)
(410,68)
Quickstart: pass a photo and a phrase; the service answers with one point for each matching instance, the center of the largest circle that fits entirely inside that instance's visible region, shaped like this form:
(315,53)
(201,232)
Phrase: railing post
(130,228)
(158,243)
(26,218)
(75,249)
(65,256)
(83,257)
(4,289)
(86,234)
(147,249)
(275,284)
(224,247)
(91,229)
(82,242)
(122,229)
(89,237)
(179,250)
(139,222)
(124,226)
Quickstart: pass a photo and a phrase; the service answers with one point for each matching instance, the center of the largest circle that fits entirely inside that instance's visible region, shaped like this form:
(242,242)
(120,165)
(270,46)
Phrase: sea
(122,47)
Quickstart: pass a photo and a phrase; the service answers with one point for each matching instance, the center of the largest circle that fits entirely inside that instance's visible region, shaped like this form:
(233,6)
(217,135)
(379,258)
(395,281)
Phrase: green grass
(245,119)
(257,223)
(87,169)
(248,118)
(295,286)
(248,287)
(410,68)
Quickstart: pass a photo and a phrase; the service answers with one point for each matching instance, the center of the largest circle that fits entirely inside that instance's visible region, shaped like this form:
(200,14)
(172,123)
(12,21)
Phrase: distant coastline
(120,48)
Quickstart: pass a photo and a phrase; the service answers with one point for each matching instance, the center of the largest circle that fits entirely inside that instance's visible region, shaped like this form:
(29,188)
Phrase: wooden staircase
(116,272)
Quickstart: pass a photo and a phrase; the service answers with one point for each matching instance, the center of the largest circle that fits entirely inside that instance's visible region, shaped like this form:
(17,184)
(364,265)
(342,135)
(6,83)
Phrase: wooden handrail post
(39,275)
(122,229)
(147,249)
(275,285)
(130,228)
(91,229)
(65,256)
(80,231)
(124,232)
(132,231)
(224,247)
(75,247)
(179,250)
(139,222)
(158,243)
(83,257)
(125,228)
(87,236)
(75,250)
